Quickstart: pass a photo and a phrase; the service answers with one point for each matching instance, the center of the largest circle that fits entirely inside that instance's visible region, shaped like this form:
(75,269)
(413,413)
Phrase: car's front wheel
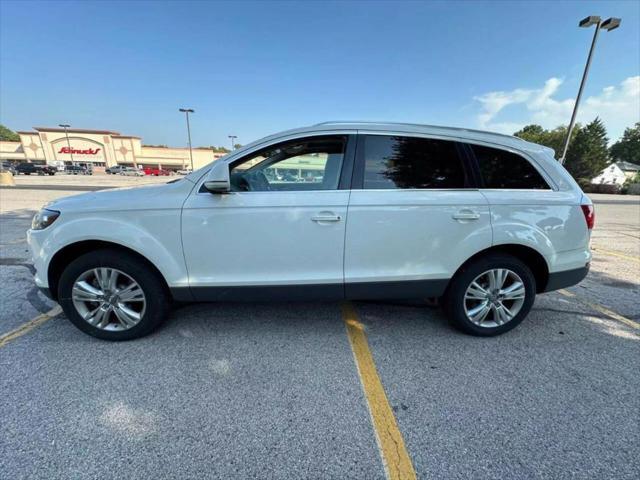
(490,295)
(113,295)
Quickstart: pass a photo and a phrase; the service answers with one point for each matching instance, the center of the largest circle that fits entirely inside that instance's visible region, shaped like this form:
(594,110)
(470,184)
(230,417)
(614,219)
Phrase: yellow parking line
(605,311)
(396,460)
(30,325)
(616,254)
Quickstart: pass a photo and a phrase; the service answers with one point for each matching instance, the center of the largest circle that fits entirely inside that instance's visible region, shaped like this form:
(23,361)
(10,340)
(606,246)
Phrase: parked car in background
(77,170)
(27,168)
(156,172)
(58,165)
(132,172)
(395,211)
(184,171)
(116,169)
(8,167)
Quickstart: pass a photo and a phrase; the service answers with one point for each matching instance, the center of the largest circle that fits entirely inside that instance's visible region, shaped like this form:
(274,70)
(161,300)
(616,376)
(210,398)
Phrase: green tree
(7,135)
(627,149)
(218,149)
(549,138)
(531,133)
(588,153)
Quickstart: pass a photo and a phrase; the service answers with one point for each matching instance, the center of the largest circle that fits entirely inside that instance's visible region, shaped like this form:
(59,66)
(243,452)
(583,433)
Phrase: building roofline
(628,166)
(75,130)
(180,148)
(126,136)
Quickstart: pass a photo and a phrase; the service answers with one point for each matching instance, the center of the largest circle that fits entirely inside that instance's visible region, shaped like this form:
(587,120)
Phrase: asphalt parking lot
(276,391)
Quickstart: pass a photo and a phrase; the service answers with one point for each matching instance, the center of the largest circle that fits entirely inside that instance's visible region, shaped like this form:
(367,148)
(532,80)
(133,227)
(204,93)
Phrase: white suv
(335,211)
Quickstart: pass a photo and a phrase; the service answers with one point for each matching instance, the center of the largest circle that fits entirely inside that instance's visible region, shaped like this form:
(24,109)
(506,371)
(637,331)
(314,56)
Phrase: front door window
(301,165)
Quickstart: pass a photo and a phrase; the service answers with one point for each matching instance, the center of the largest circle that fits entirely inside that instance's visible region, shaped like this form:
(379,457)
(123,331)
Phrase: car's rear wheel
(113,295)
(491,295)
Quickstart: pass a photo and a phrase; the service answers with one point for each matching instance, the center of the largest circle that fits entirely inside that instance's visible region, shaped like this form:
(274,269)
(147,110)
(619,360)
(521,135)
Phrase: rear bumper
(566,278)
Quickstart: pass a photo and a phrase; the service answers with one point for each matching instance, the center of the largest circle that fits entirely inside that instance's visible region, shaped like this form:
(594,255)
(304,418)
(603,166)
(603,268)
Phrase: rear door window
(503,169)
(395,162)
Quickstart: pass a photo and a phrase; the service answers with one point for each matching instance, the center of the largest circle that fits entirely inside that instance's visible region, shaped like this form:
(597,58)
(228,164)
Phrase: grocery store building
(99,148)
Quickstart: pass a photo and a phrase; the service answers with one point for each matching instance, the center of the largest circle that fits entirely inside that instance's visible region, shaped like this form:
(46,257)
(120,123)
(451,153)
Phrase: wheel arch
(72,251)
(529,256)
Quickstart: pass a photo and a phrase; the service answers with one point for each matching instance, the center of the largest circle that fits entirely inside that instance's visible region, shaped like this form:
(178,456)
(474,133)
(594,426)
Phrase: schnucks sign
(88,151)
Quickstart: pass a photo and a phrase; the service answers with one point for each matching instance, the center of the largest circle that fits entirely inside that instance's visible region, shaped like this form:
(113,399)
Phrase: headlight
(44,218)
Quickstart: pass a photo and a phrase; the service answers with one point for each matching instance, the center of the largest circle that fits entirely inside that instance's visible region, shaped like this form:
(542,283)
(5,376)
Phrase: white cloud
(617,106)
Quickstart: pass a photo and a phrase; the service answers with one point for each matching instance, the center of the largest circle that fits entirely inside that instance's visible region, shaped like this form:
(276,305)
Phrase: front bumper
(34,239)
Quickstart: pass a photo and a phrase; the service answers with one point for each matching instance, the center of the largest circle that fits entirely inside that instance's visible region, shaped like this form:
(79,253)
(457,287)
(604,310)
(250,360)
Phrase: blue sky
(253,68)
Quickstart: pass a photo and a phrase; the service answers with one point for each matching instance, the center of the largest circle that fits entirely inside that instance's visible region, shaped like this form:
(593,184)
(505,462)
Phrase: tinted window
(407,162)
(502,169)
(307,164)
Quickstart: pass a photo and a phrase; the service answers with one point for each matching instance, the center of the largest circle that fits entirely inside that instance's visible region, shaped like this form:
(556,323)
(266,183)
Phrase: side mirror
(218,180)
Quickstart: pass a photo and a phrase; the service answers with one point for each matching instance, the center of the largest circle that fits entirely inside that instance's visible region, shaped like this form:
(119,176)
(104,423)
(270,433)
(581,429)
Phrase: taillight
(589,215)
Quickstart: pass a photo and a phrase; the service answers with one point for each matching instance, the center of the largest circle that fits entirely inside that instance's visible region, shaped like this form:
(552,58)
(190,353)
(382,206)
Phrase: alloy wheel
(494,298)
(108,299)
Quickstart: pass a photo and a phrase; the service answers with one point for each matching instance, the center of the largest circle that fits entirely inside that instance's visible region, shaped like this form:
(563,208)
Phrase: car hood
(147,197)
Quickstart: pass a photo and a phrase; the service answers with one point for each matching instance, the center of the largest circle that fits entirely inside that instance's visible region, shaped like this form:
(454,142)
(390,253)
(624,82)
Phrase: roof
(413,126)
(438,130)
(628,166)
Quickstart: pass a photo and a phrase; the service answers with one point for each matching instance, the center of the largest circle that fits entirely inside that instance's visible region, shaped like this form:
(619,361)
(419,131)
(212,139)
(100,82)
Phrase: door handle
(466,215)
(326,218)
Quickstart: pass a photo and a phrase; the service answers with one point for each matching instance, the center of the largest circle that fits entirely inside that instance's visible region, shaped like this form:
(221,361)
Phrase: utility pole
(187,111)
(608,25)
(66,133)
(233,142)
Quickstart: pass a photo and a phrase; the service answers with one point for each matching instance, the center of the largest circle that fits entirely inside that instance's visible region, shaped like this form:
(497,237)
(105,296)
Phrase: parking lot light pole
(609,24)
(187,111)
(233,142)
(66,133)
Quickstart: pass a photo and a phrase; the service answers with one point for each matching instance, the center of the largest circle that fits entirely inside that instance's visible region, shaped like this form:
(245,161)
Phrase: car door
(415,215)
(280,232)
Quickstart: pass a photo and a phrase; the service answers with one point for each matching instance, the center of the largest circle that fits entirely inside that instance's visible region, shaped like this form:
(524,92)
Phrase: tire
(152,311)
(456,305)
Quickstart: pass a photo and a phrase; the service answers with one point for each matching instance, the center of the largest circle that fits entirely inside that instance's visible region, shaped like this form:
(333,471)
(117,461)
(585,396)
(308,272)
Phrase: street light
(233,141)
(66,133)
(609,24)
(187,111)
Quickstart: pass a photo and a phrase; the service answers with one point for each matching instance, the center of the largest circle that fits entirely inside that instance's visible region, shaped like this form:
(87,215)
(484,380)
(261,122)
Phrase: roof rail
(461,129)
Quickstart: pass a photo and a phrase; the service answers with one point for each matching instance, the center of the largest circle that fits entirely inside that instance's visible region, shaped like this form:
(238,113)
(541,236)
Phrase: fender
(522,234)
(156,239)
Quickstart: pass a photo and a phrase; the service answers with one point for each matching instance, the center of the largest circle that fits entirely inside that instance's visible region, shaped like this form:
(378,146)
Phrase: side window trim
(357,182)
(348,162)
(471,171)
(473,164)
(471,176)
